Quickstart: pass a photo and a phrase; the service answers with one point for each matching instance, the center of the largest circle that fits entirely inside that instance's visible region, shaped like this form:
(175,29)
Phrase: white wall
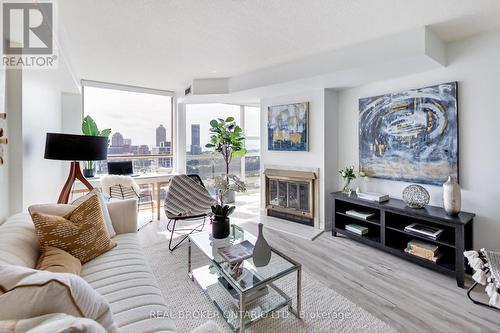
(475,64)
(13,192)
(35,107)
(71,113)
(315,157)
(331,145)
(4,150)
(42,179)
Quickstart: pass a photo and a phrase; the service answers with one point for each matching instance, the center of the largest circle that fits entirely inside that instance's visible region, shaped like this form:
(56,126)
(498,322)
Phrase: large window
(251,169)
(140,121)
(207,164)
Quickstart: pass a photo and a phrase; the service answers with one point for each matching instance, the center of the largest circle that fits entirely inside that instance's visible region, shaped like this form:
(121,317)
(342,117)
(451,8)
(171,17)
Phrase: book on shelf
(357,229)
(423,230)
(250,297)
(423,250)
(362,214)
(373,196)
(237,252)
(244,277)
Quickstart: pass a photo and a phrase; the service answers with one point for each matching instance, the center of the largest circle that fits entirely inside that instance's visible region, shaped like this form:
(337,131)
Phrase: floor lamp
(75,148)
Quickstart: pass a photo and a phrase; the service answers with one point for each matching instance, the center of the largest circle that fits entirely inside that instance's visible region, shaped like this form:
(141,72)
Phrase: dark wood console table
(386,230)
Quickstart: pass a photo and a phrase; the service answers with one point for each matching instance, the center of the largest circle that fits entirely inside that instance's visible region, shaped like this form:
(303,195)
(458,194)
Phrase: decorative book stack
(362,214)
(244,277)
(234,256)
(237,252)
(423,230)
(372,196)
(357,229)
(423,250)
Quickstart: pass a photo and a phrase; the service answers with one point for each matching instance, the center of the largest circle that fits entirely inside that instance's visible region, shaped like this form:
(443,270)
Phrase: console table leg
(242,313)
(459,256)
(190,274)
(299,292)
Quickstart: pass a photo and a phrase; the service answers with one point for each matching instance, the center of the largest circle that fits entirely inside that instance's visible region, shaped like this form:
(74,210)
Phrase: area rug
(323,309)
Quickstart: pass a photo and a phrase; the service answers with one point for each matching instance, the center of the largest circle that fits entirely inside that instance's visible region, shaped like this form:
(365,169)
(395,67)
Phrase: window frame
(242,115)
(123,87)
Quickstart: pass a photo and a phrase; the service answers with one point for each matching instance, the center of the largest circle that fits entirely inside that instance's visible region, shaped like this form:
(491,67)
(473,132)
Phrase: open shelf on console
(387,230)
(371,237)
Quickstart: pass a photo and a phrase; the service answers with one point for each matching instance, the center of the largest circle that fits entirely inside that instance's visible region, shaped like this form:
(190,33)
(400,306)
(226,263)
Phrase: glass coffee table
(246,294)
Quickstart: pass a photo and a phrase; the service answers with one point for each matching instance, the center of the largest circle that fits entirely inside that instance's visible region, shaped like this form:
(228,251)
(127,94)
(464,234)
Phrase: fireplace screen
(290,195)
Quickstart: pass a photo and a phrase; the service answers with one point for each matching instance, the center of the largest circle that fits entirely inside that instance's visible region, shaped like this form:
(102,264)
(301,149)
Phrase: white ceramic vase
(261,250)
(452,197)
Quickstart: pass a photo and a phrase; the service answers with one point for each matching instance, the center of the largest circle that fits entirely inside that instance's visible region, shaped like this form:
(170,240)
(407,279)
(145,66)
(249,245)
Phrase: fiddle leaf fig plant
(89,127)
(228,139)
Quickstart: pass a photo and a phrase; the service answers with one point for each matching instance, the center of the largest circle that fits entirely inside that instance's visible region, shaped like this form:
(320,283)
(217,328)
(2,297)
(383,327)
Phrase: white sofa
(121,275)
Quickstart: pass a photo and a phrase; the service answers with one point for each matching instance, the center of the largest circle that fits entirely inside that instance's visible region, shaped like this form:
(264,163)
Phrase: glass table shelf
(207,278)
(242,302)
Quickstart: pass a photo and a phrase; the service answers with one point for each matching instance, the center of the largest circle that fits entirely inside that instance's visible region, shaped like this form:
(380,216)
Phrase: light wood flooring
(408,297)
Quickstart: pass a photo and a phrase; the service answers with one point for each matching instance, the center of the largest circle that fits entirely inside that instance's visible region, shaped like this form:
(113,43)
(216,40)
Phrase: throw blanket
(108,181)
(486,265)
(185,197)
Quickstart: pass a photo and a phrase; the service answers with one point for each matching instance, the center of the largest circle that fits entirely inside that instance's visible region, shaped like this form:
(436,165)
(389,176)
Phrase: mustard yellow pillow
(58,261)
(82,232)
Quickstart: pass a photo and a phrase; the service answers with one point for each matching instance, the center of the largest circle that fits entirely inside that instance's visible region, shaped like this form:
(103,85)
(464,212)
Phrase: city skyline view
(135,115)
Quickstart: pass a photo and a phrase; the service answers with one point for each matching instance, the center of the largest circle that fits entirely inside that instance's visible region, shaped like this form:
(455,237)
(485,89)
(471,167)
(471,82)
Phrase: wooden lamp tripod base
(74,173)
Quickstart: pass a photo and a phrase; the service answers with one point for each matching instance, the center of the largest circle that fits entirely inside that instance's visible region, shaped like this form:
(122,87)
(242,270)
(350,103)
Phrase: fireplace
(290,195)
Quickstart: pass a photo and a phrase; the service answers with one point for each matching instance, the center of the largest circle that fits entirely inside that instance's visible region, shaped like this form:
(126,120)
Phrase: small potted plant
(220,220)
(89,127)
(226,190)
(347,175)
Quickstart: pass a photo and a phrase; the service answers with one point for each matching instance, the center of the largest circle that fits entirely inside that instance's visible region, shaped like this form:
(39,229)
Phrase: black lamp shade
(70,147)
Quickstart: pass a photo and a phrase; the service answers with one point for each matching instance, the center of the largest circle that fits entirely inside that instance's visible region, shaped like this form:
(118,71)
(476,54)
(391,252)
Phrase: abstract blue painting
(410,136)
(288,127)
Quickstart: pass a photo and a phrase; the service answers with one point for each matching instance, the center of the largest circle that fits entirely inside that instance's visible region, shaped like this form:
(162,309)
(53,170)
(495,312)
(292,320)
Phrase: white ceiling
(165,44)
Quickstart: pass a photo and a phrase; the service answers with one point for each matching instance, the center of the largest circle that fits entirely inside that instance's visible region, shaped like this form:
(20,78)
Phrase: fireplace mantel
(291,174)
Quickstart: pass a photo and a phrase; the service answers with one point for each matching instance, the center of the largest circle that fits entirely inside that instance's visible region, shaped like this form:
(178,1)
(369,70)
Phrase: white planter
(229,197)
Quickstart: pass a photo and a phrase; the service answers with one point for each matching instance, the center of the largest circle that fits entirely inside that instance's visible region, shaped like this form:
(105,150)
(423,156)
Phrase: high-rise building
(195,134)
(161,135)
(195,139)
(165,147)
(117,139)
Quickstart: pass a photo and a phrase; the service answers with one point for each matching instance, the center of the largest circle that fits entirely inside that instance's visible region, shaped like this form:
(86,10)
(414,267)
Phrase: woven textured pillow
(82,233)
(104,206)
(58,261)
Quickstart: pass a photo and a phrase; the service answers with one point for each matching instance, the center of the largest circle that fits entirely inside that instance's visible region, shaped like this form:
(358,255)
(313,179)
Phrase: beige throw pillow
(63,209)
(27,293)
(105,212)
(82,233)
(58,261)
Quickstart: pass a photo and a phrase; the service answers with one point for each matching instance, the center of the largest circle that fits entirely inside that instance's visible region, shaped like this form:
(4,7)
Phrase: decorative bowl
(415,196)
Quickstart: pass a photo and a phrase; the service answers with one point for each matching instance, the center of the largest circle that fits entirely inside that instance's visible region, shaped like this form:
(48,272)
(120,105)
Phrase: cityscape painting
(288,127)
(410,136)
